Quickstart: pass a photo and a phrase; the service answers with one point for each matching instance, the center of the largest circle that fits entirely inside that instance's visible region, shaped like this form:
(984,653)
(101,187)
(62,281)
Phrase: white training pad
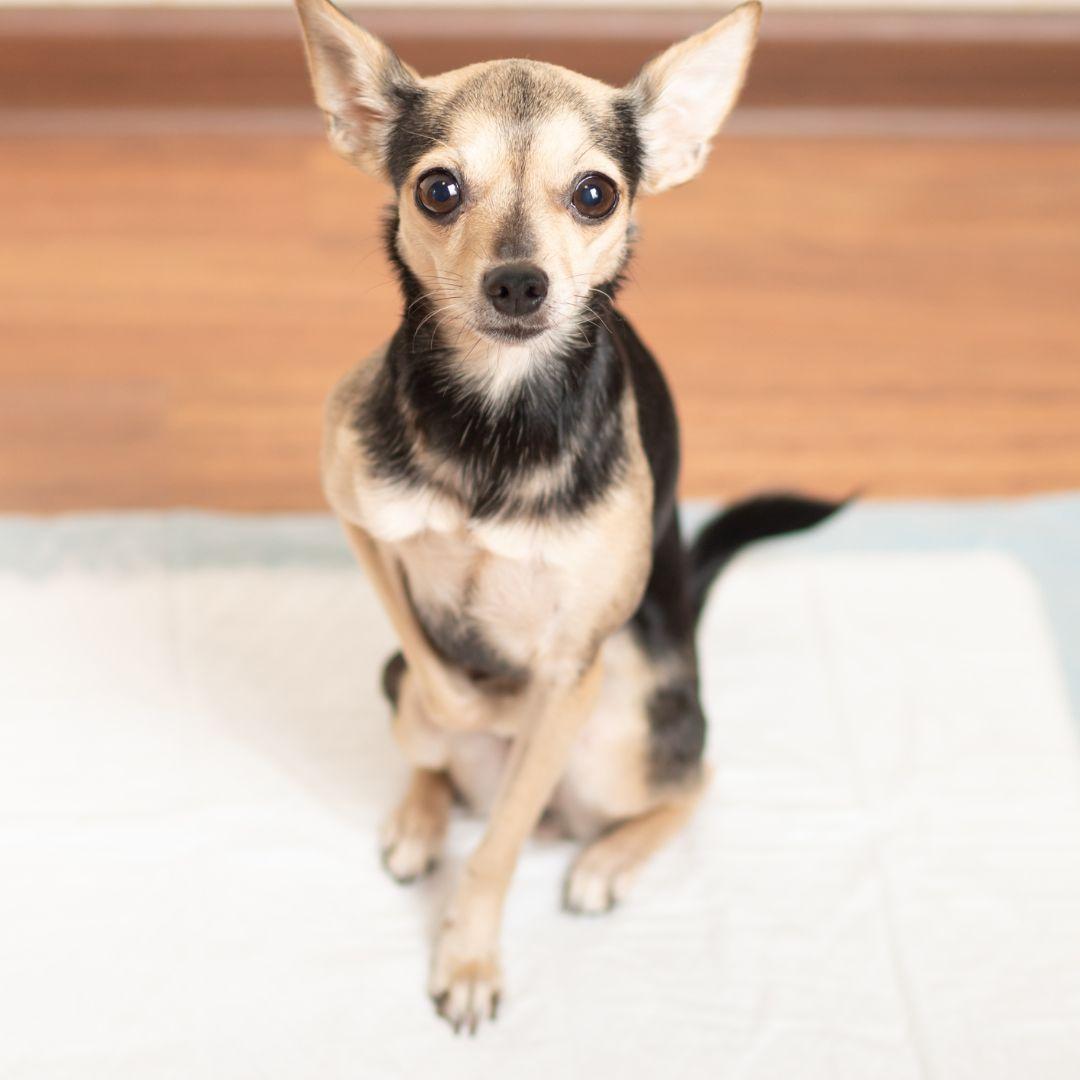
(883,882)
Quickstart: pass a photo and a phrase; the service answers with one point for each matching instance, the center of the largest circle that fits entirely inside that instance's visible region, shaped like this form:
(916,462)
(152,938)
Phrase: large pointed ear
(360,84)
(685,94)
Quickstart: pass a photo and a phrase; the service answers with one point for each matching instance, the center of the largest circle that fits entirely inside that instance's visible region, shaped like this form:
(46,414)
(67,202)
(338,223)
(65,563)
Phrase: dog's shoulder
(656,419)
(347,393)
(352,474)
(344,464)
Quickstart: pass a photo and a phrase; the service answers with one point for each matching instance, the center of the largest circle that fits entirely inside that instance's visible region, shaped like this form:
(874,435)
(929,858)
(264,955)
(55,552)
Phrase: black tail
(742,524)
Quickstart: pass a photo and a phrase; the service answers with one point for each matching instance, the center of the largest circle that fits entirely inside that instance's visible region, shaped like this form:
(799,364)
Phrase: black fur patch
(566,415)
(744,523)
(657,421)
(664,620)
(417,127)
(520,97)
(456,637)
(393,672)
(622,140)
(458,640)
(676,732)
(514,239)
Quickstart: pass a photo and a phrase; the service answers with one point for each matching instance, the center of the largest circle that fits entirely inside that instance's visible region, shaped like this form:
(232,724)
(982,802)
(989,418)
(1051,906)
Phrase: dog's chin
(513,333)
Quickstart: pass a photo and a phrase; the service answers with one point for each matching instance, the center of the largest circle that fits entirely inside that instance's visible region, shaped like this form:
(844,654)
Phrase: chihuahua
(505,466)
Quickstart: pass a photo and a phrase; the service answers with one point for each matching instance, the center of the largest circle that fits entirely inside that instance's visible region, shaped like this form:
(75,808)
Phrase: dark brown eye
(595,196)
(438,192)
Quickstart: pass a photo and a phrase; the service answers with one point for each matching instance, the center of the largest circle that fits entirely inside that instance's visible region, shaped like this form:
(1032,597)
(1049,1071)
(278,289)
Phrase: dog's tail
(742,524)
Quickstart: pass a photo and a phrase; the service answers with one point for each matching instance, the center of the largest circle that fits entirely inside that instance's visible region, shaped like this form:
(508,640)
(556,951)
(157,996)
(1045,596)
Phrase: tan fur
(500,176)
(571,585)
(607,774)
(691,89)
(465,971)
(353,107)
(516,571)
(605,870)
(553,593)
(413,837)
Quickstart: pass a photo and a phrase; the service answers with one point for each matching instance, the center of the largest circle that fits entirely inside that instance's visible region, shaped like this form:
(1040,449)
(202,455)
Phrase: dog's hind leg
(601,875)
(413,835)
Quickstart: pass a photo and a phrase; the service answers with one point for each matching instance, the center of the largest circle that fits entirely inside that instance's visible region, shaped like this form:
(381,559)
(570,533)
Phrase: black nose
(516,288)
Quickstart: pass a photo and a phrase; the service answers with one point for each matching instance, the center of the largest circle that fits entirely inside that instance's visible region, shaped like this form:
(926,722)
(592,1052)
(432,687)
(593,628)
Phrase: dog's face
(515,180)
(518,203)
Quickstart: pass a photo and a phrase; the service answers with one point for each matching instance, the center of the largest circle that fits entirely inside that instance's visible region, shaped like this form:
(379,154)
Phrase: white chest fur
(395,516)
(528,588)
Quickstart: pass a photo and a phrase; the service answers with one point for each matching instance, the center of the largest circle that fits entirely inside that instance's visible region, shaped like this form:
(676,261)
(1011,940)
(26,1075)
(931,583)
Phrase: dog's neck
(508,429)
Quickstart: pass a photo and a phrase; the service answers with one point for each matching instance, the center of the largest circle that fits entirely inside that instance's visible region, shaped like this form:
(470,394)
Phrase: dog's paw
(412,841)
(465,985)
(599,878)
(408,859)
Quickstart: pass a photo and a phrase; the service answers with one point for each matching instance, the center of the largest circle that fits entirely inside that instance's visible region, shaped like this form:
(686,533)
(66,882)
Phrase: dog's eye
(595,196)
(438,192)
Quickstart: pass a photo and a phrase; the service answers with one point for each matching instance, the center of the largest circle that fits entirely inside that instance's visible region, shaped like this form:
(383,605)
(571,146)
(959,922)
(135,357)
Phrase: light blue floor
(1043,533)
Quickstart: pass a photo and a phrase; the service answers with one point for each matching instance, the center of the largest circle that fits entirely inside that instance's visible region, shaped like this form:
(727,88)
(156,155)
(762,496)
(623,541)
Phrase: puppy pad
(883,881)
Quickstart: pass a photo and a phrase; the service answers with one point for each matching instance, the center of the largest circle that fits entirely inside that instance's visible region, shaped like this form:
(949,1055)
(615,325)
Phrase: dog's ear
(360,84)
(686,93)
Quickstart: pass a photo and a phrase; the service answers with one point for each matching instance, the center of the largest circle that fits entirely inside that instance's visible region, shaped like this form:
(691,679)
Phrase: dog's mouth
(513,332)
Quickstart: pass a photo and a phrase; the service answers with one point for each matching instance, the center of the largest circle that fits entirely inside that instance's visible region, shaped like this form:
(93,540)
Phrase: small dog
(505,467)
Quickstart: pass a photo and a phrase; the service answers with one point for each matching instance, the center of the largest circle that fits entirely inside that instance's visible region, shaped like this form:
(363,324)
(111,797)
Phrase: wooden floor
(901,317)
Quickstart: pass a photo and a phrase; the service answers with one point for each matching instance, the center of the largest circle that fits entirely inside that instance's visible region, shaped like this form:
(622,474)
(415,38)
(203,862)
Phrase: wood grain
(900,317)
(200,58)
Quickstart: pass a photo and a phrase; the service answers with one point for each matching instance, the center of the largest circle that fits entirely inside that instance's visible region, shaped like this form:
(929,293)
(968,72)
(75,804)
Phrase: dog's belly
(505,616)
(493,615)
(606,777)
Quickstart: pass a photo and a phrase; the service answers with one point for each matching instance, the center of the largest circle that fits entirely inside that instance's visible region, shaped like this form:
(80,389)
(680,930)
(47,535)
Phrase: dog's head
(515,180)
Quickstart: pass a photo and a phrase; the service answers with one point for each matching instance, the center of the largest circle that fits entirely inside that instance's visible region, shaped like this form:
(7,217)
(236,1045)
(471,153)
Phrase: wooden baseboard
(64,59)
(894,315)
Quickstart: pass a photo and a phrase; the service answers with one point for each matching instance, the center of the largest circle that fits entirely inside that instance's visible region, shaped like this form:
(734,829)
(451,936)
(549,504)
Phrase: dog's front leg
(447,697)
(465,975)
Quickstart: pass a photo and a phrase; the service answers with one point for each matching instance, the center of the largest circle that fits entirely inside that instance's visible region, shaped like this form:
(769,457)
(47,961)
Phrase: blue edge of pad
(1041,532)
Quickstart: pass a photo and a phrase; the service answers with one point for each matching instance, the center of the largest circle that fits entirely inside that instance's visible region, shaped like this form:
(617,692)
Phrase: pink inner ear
(690,91)
(352,129)
(349,69)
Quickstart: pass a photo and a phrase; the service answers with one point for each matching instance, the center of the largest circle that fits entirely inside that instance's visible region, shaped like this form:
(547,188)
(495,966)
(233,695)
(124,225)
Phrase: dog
(505,466)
